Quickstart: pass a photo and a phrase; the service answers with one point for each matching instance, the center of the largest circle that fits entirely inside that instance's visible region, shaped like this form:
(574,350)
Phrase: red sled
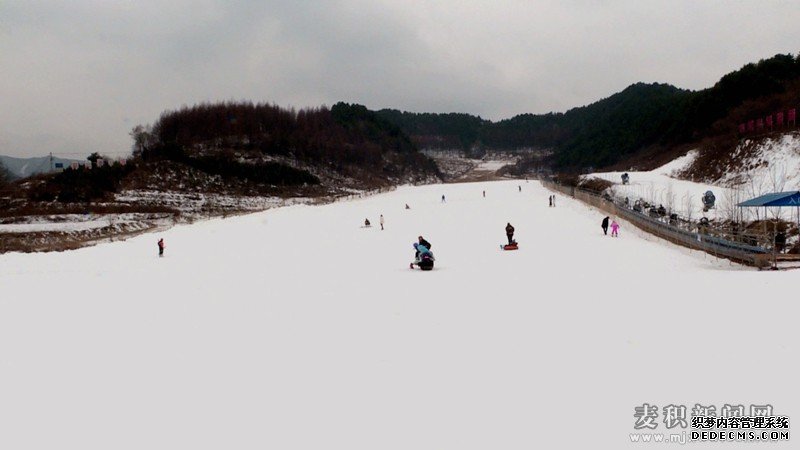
(513,246)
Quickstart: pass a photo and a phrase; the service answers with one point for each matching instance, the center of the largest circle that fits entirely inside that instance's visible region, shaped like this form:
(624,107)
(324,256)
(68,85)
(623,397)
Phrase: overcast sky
(77,75)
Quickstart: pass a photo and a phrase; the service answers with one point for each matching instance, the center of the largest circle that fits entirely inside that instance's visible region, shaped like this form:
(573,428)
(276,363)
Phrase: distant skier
(550,198)
(510,233)
(407,207)
(520,188)
(614,228)
(366,222)
(381,222)
(161,247)
(442,198)
(484,194)
(554,200)
(605,225)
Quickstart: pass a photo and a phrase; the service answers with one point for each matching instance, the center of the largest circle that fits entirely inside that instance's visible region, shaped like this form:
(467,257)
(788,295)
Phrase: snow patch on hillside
(775,163)
(772,165)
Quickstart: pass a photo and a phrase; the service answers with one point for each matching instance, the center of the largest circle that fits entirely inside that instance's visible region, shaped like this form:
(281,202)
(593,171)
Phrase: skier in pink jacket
(614,228)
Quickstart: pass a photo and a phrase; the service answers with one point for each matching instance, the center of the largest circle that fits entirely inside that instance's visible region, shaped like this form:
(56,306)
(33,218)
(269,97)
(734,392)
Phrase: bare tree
(651,193)
(143,139)
(777,182)
(755,186)
(730,199)
(688,200)
(670,198)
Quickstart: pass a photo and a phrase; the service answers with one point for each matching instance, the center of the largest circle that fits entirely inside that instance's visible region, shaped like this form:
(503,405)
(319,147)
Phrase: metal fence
(346,197)
(754,255)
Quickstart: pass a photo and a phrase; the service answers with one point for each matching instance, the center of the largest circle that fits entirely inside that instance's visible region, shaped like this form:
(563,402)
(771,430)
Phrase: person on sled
(422,252)
(510,233)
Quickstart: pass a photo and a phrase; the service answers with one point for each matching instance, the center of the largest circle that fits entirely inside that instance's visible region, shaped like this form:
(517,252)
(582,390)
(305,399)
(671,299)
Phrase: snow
(775,164)
(295,328)
(494,165)
(195,202)
(680,196)
(683,197)
(54,226)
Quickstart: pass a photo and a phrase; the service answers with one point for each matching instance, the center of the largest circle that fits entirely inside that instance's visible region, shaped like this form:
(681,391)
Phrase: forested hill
(647,118)
(241,138)
(597,134)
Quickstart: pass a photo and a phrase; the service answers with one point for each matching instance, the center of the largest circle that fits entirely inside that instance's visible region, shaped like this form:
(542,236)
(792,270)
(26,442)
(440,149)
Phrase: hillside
(209,160)
(271,145)
(644,125)
(26,167)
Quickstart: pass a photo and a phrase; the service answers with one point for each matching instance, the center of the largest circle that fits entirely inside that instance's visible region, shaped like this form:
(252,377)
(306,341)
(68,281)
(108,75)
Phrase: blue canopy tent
(779,199)
(775,199)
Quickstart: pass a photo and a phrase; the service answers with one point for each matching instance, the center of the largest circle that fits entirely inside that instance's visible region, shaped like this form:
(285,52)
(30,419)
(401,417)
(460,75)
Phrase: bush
(81,185)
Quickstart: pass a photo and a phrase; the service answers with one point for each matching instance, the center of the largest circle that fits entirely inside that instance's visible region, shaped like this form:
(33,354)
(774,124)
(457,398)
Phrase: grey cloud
(77,76)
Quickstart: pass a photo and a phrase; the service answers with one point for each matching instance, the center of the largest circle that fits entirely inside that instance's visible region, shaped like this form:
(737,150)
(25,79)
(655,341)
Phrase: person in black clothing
(510,233)
(161,247)
(780,241)
(605,225)
(422,241)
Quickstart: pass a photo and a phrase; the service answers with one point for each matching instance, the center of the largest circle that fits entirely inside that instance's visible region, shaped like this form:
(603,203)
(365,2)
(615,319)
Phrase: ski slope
(296,328)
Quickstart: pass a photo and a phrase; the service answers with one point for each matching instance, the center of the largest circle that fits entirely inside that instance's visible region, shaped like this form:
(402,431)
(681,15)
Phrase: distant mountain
(598,134)
(641,123)
(25,167)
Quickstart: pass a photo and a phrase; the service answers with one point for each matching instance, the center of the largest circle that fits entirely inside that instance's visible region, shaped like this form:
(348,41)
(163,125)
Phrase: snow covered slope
(297,329)
(681,196)
(771,162)
(754,169)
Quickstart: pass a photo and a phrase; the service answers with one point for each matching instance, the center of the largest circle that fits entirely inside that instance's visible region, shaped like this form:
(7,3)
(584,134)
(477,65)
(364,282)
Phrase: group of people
(423,249)
(614,227)
(368,224)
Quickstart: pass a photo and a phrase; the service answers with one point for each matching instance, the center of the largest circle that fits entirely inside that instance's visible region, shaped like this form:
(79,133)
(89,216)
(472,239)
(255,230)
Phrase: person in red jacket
(161,247)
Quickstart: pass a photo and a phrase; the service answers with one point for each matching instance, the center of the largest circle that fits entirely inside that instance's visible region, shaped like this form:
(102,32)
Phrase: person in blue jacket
(421,251)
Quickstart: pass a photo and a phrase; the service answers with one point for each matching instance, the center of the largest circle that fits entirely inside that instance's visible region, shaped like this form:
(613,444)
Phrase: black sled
(426,263)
